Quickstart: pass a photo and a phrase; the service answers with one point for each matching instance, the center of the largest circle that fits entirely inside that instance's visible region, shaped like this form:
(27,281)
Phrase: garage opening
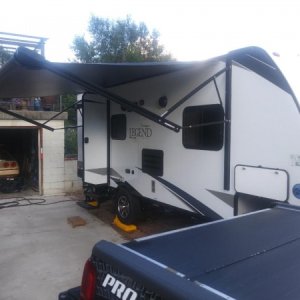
(21,145)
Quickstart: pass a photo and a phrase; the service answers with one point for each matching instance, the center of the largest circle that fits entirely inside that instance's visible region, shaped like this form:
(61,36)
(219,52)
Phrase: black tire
(128,207)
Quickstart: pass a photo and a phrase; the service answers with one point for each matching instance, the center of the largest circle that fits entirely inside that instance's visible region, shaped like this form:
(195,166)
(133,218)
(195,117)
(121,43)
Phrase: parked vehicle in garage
(9,172)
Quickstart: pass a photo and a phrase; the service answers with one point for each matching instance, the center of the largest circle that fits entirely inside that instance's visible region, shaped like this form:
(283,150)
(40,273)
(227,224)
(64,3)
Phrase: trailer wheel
(128,207)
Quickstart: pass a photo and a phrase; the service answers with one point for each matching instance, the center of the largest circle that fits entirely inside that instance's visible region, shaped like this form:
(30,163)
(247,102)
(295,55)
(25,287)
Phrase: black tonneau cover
(256,256)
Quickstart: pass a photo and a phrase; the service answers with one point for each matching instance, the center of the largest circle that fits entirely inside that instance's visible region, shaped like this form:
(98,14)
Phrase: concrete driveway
(40,253)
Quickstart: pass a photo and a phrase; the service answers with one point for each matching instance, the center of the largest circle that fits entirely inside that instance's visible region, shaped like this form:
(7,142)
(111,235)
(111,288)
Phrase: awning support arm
(205,124)
(218,92)
(68,127)
(64,110)
(26,119)
(192,93)
(31,59)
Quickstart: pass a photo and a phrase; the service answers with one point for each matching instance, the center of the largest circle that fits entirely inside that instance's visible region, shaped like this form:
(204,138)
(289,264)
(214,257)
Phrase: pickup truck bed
(255,256)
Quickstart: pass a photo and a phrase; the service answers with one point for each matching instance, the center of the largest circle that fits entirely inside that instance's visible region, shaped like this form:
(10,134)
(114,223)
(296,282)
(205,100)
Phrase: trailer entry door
(95,140)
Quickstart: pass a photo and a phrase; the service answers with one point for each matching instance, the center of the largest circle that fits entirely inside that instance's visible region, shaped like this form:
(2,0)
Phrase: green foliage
(67,101)
(70,133)
(119,41)
(70,142)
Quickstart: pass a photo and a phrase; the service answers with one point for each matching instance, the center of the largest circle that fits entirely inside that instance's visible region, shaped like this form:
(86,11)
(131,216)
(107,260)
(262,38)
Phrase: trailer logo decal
(140,132)
(118,288)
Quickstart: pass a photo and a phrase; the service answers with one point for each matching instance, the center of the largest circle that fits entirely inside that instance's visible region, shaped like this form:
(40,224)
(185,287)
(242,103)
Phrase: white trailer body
(242,140)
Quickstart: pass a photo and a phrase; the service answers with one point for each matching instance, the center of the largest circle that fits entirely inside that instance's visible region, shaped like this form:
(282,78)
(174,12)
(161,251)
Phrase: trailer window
(118,127)
(202,133)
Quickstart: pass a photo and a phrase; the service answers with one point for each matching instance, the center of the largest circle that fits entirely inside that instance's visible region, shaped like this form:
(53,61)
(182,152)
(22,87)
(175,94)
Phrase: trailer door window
(199,130)
(118,127)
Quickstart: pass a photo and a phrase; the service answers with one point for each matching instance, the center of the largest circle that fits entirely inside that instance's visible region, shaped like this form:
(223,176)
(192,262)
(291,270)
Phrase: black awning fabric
(20,79)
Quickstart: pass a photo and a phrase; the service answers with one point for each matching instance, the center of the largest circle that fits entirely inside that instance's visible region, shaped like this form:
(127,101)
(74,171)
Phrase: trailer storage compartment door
(262,182)
(95,139)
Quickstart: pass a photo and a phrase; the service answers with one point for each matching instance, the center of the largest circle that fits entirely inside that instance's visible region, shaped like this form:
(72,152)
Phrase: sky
(189,29)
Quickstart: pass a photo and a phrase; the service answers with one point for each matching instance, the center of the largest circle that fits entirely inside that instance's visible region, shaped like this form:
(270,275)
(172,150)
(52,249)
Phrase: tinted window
(199,130)
(118,127)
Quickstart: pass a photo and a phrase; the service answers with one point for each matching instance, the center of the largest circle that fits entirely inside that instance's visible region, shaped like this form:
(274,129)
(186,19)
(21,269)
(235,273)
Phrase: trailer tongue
(254,256)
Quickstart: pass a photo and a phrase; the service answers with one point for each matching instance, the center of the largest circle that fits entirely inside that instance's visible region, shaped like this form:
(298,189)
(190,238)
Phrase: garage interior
(22,144)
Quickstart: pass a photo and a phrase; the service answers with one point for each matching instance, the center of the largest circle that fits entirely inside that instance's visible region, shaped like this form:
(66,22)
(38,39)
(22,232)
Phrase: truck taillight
(8,164)
(88,284)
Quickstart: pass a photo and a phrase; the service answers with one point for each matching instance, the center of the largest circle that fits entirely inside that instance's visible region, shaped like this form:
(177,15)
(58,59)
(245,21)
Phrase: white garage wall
(60,174)
(72,182)
(53,159)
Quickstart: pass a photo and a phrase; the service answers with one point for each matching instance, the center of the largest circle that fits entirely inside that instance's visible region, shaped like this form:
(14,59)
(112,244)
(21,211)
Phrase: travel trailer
(217,138)
(231,145)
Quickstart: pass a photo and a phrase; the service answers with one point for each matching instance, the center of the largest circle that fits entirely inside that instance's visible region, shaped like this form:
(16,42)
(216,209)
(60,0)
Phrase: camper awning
(28,74)
(20,78)
(24,77)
